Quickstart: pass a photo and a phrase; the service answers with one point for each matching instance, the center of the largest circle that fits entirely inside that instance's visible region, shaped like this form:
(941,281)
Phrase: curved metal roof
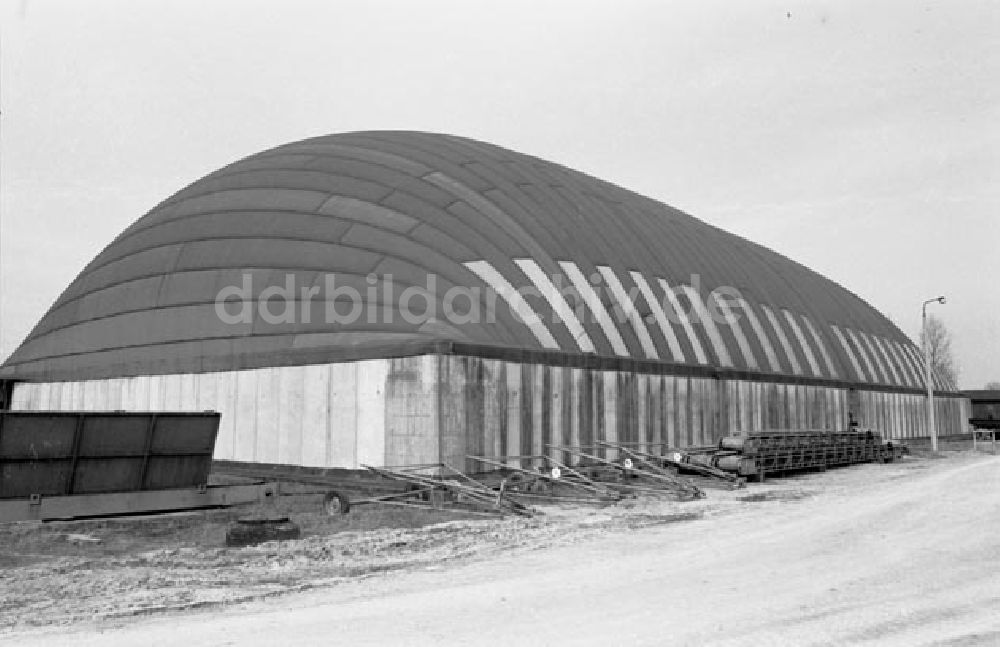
(570,263)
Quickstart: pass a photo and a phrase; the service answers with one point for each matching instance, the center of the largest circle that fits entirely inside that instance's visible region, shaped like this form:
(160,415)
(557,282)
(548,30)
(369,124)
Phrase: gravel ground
(55,576)
(61,573)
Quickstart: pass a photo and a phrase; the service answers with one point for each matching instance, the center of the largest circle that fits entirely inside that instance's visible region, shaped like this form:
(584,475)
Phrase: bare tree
(942,361)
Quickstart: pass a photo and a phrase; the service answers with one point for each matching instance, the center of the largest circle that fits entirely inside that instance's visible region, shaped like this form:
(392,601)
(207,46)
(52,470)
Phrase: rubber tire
(342,506)
(251,533)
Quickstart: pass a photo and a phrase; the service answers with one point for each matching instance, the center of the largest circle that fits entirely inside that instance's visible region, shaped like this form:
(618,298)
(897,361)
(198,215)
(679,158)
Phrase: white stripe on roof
(628,307)
(765,342)
(681,315)
(869,366)
(850,353)
(831,369)
(803,343)
(915,358)
(593,302)
(918,357)
(904,367)
(557,302)
(783,340)
(870,347)
(705,318)
(517,304)
(881,346)
(660,316)
(734,325)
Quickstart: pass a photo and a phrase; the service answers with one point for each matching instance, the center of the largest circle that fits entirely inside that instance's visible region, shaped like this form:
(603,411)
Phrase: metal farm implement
(675,459)
(435,486)
(550,481)
(631,473)
(440,486)
(773,452)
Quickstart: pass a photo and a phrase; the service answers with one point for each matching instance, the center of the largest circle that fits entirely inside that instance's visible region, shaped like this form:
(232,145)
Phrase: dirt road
(887,555)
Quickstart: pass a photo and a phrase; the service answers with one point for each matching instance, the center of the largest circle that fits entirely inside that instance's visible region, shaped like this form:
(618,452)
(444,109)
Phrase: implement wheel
(335,503)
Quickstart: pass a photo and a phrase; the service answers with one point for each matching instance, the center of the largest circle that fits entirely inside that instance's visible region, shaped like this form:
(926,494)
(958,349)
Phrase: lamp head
(940,299)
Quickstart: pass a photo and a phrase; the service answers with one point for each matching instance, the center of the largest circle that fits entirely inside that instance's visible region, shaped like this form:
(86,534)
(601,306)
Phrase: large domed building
(404,297)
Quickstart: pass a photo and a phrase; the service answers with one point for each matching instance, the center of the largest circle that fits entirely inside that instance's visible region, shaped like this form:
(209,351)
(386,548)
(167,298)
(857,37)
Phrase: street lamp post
(927,374)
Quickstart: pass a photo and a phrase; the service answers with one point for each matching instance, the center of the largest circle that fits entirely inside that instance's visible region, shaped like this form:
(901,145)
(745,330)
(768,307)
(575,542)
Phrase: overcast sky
(859,138)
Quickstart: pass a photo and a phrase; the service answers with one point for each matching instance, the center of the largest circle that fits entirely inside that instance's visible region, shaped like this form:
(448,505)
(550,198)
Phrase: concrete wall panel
(339,442)
(434,408)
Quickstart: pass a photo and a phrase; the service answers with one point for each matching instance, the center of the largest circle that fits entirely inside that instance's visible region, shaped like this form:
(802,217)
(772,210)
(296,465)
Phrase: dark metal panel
(184,434)
(37,438)
(93,475)
(164,472)
(113,435)
(22,479)
(66,453)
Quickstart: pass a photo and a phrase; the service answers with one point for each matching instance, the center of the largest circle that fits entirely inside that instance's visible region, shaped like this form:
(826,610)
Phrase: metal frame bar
(585,483)
(52,508)
(150,430)
(75,456)
(663,480)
